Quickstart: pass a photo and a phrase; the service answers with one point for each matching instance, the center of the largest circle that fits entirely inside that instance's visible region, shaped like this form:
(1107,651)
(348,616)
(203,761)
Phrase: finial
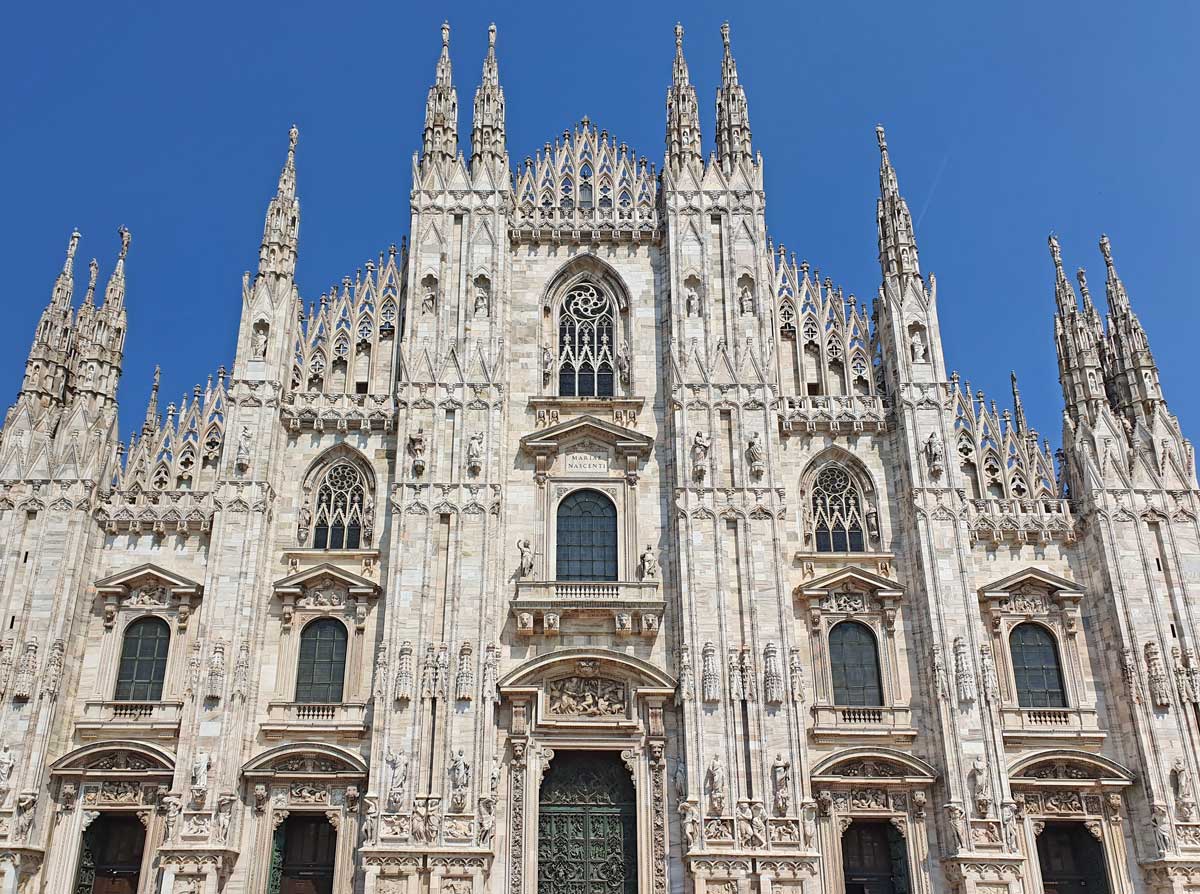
(881,137)
(1055,251)
(157,378)
(725,35)
(678,37)
(93,272)
(445,34)
(1106,250)
(293,136)
(492,36)
(123,232)
(72,244)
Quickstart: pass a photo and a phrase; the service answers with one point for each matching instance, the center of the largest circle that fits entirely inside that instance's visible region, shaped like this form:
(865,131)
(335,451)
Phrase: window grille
(143,661)
(1036,668)
(837,512)
(854,662)
(587,537)
(338,519)
(322,667)
(586,324)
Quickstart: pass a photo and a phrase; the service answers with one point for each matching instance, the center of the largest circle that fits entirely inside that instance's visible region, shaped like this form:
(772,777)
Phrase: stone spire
(1077,338)
(683,111)
(487,131)
(1131,371)
(1018,407)
(151,421)
(281,232)
(114,292)
(897,243)
(733,114)
(100,335)
(441,109)
(48,364)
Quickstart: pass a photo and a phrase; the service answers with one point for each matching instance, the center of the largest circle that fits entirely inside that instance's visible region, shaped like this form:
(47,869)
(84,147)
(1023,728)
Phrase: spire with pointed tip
(151,422)
(48,364)
(114,292)
(281,231)
(487,130)
(64,283)
(733,113)
(1130,367)
(897,242)
(683,111)
(441,109)
(1018,407)
(1118,299)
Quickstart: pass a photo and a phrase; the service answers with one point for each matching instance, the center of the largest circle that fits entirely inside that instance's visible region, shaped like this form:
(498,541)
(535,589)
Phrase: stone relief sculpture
(772,675)
(586,697)
(935,455)
(964,675)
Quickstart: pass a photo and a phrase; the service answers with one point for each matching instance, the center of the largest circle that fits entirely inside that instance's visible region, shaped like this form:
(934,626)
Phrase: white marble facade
(743,386)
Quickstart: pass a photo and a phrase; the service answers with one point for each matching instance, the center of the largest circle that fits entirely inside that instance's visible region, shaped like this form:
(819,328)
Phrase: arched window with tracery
(854,664)
(143,665)
(338,515)
(586,327)
(837,512)
(1037,670)
(586,537)
(321,671)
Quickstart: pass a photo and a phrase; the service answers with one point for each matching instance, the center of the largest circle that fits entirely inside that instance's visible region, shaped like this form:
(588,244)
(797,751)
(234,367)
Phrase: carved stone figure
(586,697)
(649,563)
(258,344)
(481,307)
(917,343)
(200,766)
(983,786)
(737,689)
(25,813)
(404,673)
(1185,799)
(26,671)
(692,302)
(173,806)
(772,675)
(216,671)
(429,300)
(689,823)
(716,785)
(525,551)
(547,366)
(796,672)
(687,682)
(939,674)
(710,676)
(756,453)
(701,443)
(224,815)
(758,826)
(460,781)
(935,455)
(958,824)
(475,453)
(7,761)
(1160,689)
(242,457)
(1162,829)
(746,299)
(987,669)
(464,677)
(781,782)
(416,449)
(398,784)
(491,668)
(964,675)
(623,369)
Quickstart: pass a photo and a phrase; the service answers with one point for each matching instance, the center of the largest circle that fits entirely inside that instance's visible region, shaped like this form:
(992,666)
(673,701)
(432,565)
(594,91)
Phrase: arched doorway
(1071,860)
(587,826)
(874,859)
(110,861)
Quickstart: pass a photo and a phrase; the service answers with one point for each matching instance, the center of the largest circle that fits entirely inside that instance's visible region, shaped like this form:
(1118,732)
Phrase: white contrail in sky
(937,178)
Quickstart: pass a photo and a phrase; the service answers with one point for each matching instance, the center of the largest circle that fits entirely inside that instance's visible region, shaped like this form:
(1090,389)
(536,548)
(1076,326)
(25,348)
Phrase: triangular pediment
(1037,577)
(127,579)
(854,577)
(326,570)
(550,440)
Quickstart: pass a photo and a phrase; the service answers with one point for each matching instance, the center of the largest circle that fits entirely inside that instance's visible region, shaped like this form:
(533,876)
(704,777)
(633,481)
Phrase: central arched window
(837,512)
(854,663)
(338,515)
(585,343)
(322,668)
(1036,668)
(143,661)
(587,537)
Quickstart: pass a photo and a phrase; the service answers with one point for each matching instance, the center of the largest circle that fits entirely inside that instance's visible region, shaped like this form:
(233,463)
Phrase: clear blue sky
(1005,121)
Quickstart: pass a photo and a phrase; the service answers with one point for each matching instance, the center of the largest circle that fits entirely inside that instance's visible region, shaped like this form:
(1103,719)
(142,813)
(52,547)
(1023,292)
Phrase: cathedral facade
(587,543)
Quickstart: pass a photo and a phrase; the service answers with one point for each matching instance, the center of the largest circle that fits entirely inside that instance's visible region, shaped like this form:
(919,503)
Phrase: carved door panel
(587,827)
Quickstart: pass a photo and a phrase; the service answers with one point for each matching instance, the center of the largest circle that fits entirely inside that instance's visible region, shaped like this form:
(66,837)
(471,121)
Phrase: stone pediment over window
(326,589)
(587,447)
(849,591)
(879,765)
(148,588)
(1031,591)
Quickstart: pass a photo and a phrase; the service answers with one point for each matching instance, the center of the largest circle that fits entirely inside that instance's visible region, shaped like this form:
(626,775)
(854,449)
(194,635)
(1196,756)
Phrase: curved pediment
(116,757)
(1070,766)
(305,759)
(587,663)
(875,764)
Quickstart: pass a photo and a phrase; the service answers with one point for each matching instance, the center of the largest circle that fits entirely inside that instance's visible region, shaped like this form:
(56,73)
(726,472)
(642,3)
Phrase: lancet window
(586,328)
(837,512)
(338,517)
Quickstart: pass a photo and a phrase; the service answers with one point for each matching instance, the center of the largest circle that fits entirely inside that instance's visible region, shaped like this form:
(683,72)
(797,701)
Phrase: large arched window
(587,537)
(837,511)
(322,668)
(854,663)
(586,326)
(1036,668)
(338,513)
(143,661)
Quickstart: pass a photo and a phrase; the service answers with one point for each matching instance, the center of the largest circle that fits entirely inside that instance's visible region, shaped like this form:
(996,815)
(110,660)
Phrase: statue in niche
(623,368)
(692,303)
(649,563)
(416,447)
(746,299)
(689,822)
(716,783)
(756,454)
(398,785)
(7,762)
(475,453)
(460,781)
(258,342)
(482,303)
(242,460)
(525,551)
(429,299)
(935,454)
(701,443)
(547,366)
(917,342)
(781,780)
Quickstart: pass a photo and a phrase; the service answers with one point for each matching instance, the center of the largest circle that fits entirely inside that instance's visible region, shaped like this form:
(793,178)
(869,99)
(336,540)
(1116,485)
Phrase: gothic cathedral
(587,543)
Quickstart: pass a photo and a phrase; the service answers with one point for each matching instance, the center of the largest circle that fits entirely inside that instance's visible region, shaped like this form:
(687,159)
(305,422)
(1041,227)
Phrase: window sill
(1037,725)
(115,720)
(838,723)
(344,720)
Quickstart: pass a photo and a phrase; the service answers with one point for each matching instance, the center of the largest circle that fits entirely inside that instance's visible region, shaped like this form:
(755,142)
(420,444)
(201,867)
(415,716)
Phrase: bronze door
(587,826)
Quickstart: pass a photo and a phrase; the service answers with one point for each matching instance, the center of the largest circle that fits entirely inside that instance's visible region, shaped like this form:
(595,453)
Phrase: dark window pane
(143,664)
(587,537)
(854,662)
(1036,668)
(322,665)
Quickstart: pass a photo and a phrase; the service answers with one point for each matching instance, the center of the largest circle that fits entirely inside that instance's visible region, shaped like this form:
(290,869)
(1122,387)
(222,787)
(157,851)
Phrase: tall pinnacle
(441,109)
(151,422)
(487,131)
(1118,299)
(683,111)
(281,231)
(114,292)
(1018,407)
(897,243)
(64,283)
(733,113)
